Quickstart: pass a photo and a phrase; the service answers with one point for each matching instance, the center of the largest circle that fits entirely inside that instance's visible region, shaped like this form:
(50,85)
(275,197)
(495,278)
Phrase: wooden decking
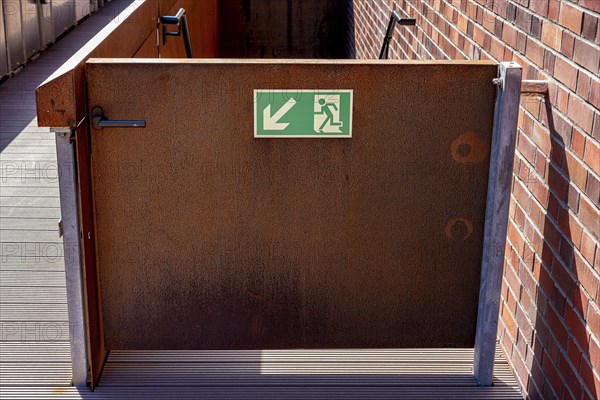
(410,374)
(34,329)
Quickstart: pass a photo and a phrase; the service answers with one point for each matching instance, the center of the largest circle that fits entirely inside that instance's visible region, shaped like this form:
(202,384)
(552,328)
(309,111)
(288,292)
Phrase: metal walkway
(34,330)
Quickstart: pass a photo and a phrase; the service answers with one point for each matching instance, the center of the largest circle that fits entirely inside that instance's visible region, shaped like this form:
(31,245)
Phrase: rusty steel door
(210,238)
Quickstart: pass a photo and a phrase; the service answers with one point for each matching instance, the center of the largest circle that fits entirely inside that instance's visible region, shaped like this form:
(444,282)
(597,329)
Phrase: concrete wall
(283,29)
(550,320)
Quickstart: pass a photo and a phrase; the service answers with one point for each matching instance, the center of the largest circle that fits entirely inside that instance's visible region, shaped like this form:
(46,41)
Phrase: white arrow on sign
(270,122)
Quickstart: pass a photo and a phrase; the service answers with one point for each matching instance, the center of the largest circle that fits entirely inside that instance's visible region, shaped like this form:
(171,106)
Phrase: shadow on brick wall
(560,355)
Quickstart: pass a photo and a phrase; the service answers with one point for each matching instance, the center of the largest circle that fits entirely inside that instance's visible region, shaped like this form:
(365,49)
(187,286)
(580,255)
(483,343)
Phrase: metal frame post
(395,17)
(496,218)
(67,178)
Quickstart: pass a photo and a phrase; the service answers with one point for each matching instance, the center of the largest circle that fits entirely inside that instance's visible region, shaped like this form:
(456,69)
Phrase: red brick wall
(550,320)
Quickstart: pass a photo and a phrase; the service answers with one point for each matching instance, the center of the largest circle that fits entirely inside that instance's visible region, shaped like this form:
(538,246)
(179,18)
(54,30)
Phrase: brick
(595,93)
(571,226)
(498,27)
(587,55)
(570,17)
(511,12)
(590,26)
(565,72)
(593,320)
(558,185)
(589,217)
(594,353)
(540,164)
(518,366)
(551,35)
(539,7)
(581,113)
(573,198)
(577,142)
(557,327)
(523,20)
(586,276)
(562,99)
(499,7)
(521,196)
(526,148)
(535,52)
(478,35)
(489,20)
(584,83)
(509,35)
(521,42)
(574,353)
(562,128)
(570,375)
(575,171)
(568,44)
(541,137)
(549,61)
(536,27)
(553,9)
(537,188)
(554,380)
(592,189)
(592,155)
(565,252)
(588,247)
(596,130)
(593,5)
(587,376)
(497,49)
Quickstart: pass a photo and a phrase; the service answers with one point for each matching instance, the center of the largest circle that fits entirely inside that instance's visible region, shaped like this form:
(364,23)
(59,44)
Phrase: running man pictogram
(327,114)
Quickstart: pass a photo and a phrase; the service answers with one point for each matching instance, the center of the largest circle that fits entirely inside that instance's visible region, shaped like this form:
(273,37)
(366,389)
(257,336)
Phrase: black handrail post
(180,19)
(395,17)
(186,37)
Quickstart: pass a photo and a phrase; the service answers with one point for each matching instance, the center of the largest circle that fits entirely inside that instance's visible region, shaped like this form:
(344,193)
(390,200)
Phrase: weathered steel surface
(210,239)
(61,98)
(130,31)
(97,352)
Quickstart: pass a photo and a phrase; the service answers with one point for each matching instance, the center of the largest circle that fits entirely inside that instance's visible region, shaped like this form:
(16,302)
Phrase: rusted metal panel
(150,47)
(131,27)
(96,352)
(210,239)
(61,99)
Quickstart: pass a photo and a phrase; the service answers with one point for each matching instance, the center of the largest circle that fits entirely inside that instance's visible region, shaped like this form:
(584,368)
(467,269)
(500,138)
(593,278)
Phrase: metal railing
(394,18)
(180,20)
(29,26)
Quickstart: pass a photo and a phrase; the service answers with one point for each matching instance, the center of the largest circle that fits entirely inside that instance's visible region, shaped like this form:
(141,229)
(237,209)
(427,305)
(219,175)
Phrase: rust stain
(455,228)
(469,148)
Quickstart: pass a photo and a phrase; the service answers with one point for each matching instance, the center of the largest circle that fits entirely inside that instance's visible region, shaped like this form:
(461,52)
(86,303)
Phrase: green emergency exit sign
(293,113)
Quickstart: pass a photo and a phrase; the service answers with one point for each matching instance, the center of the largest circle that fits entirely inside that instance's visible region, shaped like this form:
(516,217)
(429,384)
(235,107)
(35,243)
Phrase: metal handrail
(395,17)
(179,19)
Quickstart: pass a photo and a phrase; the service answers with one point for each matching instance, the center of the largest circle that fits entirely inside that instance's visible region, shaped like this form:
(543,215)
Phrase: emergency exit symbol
(296,113)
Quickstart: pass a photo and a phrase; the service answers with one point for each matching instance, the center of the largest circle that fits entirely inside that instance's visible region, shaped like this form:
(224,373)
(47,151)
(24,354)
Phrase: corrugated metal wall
(29,26)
